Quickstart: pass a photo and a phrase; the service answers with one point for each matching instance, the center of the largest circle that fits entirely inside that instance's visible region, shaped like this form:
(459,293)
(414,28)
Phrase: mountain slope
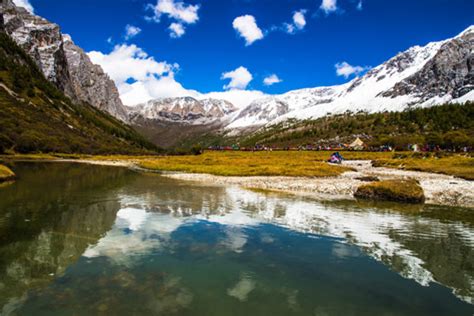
(437,73)
(185,110)
(60,60)
(168,122)
(37,117)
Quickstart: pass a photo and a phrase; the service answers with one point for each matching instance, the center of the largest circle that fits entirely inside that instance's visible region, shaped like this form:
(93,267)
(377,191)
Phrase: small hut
(358,144)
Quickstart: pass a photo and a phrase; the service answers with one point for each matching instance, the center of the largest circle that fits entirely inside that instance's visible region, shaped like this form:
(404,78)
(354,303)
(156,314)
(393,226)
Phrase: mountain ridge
(421,76)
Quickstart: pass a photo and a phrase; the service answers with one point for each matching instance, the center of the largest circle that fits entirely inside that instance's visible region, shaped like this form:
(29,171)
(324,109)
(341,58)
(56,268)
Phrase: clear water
(90,240)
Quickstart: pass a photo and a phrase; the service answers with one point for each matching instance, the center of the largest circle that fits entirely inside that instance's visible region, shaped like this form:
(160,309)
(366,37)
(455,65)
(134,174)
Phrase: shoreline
(439,189)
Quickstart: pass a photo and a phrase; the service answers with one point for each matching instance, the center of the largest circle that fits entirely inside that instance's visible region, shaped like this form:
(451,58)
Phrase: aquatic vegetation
(408,191)
(6,174)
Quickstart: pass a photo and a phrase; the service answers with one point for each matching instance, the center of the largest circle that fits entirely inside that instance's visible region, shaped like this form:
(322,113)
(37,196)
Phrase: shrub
(408,191)
(196,150)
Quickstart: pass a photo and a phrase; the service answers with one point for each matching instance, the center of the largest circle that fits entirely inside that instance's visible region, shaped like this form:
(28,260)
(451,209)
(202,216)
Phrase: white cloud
(247,28)
(239,79)
(176,30)
(140,78)
(25,4)
(329,6)
(272,79)
(130,61)
(360,5)
(177,10)
(131,31)
(346,70)
(299,22)
(299,19)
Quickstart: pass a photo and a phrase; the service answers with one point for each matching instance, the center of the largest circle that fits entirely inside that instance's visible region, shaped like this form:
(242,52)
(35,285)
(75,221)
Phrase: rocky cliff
(61,61)
(182,110)
(450,72)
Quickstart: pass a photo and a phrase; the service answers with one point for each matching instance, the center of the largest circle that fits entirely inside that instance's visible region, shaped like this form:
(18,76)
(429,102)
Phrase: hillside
(36,117)
(449,126)
(446,125)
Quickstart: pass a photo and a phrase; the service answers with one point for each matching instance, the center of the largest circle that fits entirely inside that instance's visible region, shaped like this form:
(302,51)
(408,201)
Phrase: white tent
(358,144)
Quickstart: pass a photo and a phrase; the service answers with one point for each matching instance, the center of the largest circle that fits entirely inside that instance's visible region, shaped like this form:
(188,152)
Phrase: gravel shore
(439,189)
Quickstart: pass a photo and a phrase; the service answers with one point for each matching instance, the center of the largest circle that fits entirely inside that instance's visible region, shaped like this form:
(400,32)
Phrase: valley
(308,158)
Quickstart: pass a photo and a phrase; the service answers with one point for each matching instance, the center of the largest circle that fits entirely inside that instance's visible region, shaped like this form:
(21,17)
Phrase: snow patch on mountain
(422,76)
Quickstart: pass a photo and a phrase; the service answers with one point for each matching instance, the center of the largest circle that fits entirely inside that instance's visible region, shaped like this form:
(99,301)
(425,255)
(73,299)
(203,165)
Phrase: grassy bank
(6,174)
(297,164)
(277,163)
(455,165)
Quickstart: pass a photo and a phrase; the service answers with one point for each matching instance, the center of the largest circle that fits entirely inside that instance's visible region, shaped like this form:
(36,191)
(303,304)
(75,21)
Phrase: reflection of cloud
(343,251)
(236,239)
(135,232)
(243,288)
(390,237)
(131,218)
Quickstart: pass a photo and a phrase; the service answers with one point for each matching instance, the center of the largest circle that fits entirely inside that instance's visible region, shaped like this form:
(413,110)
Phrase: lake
(91,240)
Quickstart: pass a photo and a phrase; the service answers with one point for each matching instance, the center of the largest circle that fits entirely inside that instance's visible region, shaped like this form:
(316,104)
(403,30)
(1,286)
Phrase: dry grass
(279,163)
(408,191)
(297,164)
(455,165)
(6,174)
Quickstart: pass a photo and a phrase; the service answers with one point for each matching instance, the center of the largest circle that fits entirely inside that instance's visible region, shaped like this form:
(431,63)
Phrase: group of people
(336,158)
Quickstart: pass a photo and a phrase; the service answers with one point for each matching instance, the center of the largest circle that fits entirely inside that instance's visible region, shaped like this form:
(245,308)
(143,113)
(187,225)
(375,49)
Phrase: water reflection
(111,241)
(45,224)
(419,242)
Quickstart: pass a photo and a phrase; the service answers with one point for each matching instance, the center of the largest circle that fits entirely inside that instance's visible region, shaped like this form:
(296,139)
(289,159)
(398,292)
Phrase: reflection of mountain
(118,220)
(164,195)
(413,245)
(50,229)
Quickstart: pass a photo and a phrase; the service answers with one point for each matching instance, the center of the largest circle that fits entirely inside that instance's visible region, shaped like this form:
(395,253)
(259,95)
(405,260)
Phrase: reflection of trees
(176,197)
(42,231)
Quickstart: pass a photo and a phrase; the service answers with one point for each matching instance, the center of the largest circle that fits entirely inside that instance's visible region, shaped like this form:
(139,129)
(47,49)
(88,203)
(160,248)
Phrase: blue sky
(301,52)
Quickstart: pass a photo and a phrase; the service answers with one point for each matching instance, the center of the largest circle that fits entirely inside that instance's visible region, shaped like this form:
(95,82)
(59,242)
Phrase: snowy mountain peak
(436,73)
(469,30)
(183,109)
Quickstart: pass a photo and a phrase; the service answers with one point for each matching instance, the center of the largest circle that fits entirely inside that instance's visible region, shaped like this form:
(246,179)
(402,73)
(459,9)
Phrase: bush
(196,150)
(408,191)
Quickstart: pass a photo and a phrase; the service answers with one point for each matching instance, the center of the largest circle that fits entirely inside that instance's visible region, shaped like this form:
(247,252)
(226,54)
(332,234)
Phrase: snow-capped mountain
(437,73)
(182,110)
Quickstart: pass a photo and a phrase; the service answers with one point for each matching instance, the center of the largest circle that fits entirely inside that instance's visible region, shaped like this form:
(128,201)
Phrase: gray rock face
(449,72)
(61,61)
(90,83)
(182,109)
(42,40)
(264,110)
